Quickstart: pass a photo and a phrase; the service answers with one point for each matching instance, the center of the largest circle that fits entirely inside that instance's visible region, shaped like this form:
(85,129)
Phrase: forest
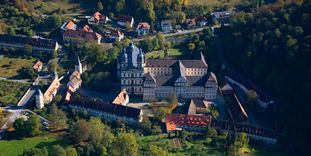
(272,45)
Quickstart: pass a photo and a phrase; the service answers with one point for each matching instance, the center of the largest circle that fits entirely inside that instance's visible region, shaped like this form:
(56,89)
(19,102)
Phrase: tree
(211,132)
(58,150)
(10,30)
(147,45)
(29,127)
(35,152)
(99,6)
(53,21)
(57,117)
(27,73)
(70,151)
(155,150)
(27,50)
(52,65)
(125,144)
(161,40)
(160,113)
(99,133)
(79,131)
(191,47)
(34,125)
(20,127)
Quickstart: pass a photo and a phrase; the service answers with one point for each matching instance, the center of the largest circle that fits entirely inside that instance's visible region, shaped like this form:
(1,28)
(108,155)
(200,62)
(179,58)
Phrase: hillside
(273,46)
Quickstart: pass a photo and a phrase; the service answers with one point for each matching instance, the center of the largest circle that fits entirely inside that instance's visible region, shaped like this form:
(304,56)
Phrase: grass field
(173,52)
(11,92)
(216,3)
(16,147)
(10,66)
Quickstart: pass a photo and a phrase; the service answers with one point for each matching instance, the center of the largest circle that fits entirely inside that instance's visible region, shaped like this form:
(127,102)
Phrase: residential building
(75,81)
(190,23)
(86,28)
(108,111)
(51,92)
(70,25)
(39,99)
(192,107)
(114,35)
(79,36)
(196,123)
(162,78)
(252,132)
(123,20)
(37,66)
(201,21)
(98,18)
(130,69)
(38,44)
(142,28)
(166,26)
(122,98)
(187,79)
(222,17)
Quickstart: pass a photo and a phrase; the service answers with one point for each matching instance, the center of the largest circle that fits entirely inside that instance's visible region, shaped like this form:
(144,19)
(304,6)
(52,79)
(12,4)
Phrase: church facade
(156,79)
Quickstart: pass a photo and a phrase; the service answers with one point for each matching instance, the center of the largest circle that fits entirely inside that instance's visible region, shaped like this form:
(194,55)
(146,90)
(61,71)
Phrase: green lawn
(9,66)
(16,147)
(11,92)
(173,52)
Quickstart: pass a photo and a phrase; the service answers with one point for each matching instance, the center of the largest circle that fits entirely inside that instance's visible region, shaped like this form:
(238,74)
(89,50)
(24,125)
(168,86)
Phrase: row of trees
(153,10)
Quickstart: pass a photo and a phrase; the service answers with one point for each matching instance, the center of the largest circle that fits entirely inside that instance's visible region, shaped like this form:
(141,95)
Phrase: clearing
(9,66)
(173,52)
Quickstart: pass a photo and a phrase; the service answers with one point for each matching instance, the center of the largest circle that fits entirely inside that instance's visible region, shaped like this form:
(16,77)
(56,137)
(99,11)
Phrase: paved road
(169,35)
(16,113)
(13,116)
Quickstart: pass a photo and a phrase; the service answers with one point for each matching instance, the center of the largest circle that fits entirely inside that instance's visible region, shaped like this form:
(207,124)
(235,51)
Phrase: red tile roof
(37,65)
(174,121)
(69,25)
(143,25)
(86,28)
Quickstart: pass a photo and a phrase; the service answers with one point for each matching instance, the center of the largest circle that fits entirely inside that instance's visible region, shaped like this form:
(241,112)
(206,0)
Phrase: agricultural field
(11,92)
(9,66)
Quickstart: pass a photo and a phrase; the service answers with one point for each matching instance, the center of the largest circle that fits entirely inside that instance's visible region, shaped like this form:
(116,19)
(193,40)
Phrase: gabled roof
(23,40)
(52,88)
(190,21)
(37,65)
(97,15)
(71,25)
(121,98)
(143,25)
(119,110)
(81,34)
(86,28)
(175,121)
